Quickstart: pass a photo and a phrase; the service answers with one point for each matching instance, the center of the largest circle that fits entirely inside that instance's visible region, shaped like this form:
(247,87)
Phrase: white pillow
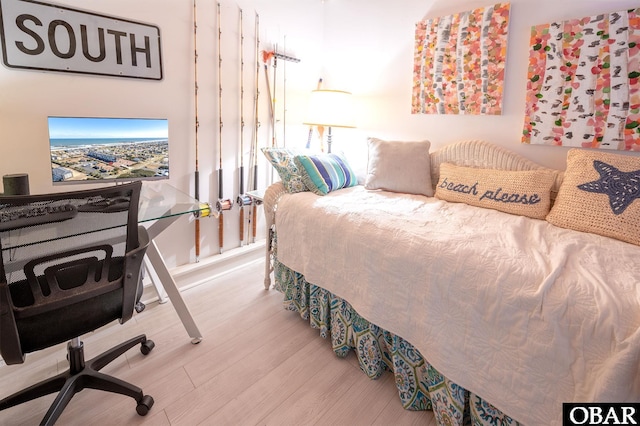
(399,167)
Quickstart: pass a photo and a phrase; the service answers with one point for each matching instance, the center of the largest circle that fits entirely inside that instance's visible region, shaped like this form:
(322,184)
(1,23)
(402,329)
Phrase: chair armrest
(131,269)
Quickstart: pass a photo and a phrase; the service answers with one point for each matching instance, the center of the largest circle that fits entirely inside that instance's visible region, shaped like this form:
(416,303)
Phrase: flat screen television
(92,149)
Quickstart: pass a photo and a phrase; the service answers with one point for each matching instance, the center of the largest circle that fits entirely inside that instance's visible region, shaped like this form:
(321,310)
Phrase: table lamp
(330,108)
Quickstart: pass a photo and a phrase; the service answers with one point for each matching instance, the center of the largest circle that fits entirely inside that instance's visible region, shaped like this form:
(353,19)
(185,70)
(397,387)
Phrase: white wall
(28,97)
(365,46)
(376,65)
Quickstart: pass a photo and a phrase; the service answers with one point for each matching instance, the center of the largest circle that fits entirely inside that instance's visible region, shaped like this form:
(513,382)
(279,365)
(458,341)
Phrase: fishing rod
(284,97)
(266,57)
(274,96)
(243,199)
(205,208)
(197,125)
(253,167)
(222,204)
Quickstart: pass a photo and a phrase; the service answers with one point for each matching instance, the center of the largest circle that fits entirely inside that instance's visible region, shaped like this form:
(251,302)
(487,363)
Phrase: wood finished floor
(257,365)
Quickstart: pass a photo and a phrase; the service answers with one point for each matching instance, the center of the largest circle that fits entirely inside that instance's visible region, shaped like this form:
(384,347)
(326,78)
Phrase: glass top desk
(160,205)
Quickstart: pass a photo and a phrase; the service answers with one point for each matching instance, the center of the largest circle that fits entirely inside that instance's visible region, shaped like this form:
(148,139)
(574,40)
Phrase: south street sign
(42,36)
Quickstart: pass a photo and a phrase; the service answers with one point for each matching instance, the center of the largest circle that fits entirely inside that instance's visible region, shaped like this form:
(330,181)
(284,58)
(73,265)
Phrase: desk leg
(155,280)
(172,291)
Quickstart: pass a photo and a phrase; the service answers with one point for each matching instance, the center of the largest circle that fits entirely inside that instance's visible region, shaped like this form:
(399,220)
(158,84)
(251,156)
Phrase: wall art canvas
(459,62)
(583,87)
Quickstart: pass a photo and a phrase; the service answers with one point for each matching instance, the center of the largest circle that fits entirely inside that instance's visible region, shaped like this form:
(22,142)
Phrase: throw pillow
(399,167)
(282,160)
(324,173)
(525,193)
(600,194)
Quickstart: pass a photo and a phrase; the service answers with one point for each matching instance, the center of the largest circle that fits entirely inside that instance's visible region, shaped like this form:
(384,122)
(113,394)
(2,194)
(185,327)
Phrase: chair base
(81,376)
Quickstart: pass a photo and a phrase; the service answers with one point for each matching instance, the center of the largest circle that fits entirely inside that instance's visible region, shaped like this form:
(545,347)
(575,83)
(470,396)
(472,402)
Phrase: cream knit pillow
(600,194)
(525,193)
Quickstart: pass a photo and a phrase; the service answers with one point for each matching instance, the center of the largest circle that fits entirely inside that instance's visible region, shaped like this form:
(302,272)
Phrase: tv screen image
(95,149)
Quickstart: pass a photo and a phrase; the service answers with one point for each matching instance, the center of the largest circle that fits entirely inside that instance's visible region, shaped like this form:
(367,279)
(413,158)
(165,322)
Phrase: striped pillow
(323,173)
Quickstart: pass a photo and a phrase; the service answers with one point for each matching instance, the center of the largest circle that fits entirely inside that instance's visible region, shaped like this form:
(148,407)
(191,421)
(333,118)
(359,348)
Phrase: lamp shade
(330,108)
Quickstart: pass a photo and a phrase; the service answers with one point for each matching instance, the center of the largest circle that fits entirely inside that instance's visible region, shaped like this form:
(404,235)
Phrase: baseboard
(210,268)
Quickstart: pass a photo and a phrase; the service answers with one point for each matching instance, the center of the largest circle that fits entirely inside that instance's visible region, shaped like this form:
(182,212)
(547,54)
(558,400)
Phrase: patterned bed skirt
(420,386)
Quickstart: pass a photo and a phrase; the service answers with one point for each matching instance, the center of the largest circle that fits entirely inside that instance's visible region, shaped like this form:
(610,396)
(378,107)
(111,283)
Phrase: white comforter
(525,314)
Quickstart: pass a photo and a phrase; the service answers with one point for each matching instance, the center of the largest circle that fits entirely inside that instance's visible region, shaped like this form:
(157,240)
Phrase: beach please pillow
(525,193)
(323,173)
(399,167)
(600,194)
(282,160)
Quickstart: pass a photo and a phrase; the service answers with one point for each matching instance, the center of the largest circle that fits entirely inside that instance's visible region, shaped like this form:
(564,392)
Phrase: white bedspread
(516,310)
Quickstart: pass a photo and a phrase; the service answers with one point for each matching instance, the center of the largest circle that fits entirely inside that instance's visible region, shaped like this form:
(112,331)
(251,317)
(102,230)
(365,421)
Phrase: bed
(483,316)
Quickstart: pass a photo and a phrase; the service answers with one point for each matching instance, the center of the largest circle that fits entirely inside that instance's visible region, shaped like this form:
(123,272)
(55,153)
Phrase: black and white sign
(52,37)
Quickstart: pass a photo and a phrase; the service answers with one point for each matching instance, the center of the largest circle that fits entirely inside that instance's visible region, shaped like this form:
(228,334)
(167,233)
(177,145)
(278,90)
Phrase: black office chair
(71,263)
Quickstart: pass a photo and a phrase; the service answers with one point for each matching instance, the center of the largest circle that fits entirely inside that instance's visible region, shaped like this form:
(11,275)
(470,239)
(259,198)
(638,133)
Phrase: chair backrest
(68,259)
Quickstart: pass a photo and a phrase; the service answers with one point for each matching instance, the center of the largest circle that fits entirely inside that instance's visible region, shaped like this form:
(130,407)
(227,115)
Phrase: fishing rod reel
(244,200)
(205,210)
(255,201)
(223,205)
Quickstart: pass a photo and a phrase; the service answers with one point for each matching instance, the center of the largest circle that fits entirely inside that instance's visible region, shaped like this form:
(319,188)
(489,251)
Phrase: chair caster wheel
(139,307)
(146,346)
(144,405)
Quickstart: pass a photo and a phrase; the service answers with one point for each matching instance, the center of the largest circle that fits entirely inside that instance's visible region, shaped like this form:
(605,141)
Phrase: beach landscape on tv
(108,149)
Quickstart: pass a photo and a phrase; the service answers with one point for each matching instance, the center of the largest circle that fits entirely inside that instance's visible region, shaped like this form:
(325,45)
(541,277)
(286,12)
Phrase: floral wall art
(583,87)
(459,62)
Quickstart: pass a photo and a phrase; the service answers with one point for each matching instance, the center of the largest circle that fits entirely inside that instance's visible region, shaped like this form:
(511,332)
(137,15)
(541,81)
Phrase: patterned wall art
(583,87)
(459,62)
